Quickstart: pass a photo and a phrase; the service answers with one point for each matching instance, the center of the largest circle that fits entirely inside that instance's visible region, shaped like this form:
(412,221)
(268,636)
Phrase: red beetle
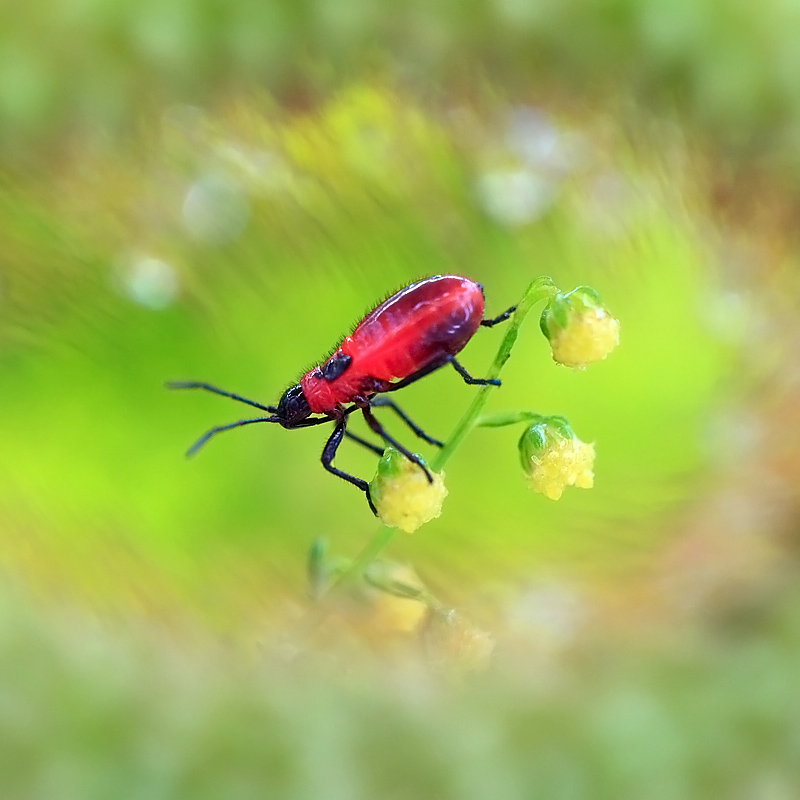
(409,335)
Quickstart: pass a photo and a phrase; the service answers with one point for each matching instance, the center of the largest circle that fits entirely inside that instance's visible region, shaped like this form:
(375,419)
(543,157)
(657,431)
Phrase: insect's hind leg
(389,403)
(489,323)
(328,454)
(469,379)
(379,429)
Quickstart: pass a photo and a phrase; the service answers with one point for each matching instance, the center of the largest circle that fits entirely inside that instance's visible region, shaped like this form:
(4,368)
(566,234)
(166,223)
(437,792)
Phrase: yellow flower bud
(555,458)
(579,327)
(399,600)
(402,495)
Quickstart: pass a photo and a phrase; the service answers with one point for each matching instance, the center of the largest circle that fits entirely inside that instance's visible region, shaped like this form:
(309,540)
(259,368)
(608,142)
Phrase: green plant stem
(505,418)
(359,564)
(541,289)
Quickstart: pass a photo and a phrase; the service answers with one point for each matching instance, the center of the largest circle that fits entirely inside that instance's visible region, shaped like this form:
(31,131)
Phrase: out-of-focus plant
(730,67)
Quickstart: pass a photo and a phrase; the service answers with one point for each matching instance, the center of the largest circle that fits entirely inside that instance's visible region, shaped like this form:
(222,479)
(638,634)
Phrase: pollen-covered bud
(554,458)
(402,494)
(579,327)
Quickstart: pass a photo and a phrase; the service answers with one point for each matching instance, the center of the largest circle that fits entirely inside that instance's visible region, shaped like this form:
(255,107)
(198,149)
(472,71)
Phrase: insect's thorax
(324,396)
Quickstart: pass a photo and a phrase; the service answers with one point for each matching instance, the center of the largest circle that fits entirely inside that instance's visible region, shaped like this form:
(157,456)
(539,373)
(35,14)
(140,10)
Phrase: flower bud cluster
(402,494)
(579,327)
(554,458)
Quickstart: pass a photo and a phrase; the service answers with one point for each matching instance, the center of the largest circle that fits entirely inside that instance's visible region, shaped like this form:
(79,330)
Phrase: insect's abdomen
(422,323)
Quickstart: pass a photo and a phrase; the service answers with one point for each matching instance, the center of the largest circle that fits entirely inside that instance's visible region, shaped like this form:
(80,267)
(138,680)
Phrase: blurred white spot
(529,166)
(536,141)
(730,434)
(728,315)
(215,210)
(150,282)
(551,613)
(515,196)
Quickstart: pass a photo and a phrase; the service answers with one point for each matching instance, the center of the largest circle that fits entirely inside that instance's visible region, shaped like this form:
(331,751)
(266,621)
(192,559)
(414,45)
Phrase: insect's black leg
(420,373)
(328,453)
(488,323)
(209,388)
(379,429)
(364,443)
(469,379)
(389,403)
(219,429)
(307,423)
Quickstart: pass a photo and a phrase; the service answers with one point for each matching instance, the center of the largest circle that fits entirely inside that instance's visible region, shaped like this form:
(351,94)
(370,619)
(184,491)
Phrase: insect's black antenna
(220,428)
(209,388)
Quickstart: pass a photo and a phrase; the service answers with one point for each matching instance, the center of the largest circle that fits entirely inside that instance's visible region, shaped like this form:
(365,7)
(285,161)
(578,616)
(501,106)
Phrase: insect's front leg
(468,378)
(381,402)
(364,443)
(387,402)
(329,452)
(492,321)
(379,429)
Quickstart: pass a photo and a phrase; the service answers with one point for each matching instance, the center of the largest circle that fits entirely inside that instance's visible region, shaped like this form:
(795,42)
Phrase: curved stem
(541,289)
(504,418)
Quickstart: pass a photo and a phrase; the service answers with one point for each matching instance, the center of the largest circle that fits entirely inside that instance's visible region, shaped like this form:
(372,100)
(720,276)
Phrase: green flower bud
(402,495)
(579,327)
(554,458)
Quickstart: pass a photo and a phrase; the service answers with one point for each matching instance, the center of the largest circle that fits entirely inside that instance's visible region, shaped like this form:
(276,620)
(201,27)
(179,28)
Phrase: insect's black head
(293,407)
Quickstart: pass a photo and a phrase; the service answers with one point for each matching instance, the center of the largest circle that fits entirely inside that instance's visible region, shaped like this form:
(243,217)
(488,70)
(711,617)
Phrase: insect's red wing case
(418,325)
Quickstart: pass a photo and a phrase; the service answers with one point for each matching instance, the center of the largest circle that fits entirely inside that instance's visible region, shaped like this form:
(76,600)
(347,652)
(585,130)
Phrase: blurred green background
(217,191)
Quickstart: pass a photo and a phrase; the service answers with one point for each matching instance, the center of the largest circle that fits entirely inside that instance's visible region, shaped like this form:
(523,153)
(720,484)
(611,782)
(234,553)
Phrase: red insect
(409,335)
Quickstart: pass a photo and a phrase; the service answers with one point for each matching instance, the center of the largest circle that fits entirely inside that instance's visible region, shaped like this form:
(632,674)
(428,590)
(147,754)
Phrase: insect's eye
(335,366)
